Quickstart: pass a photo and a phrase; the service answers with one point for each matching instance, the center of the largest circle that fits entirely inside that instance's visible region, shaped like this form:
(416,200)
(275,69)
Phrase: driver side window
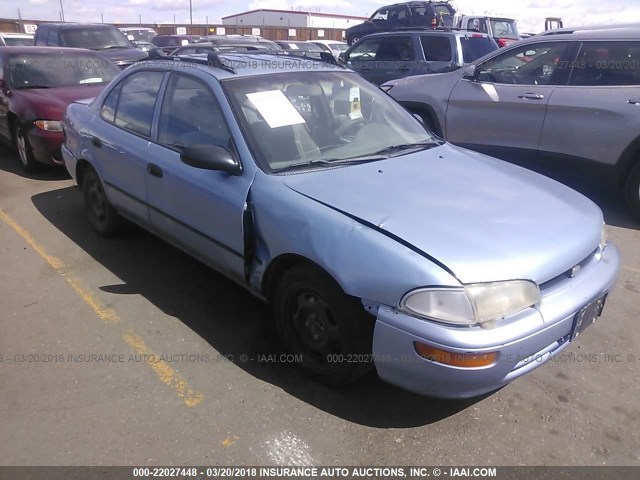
(533,64)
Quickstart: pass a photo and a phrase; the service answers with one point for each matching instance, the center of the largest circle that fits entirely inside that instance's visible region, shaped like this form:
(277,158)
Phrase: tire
(329,329)
(101,215)
(632,192)
(27,161)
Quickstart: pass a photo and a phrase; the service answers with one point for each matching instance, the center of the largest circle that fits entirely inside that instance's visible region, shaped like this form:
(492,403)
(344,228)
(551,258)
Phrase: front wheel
(101,215)
(27,160)
(329,330)
(632,192)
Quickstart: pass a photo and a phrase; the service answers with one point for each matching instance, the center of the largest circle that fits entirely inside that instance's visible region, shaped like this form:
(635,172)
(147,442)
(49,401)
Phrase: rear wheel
(101,215)
(329,329)
(632,191)
(27,160)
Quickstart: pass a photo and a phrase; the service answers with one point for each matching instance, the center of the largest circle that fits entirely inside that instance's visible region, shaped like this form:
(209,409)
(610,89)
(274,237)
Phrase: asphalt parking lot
(125,351)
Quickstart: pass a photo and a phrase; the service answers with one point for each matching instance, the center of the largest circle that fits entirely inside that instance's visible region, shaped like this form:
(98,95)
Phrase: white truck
(504,30)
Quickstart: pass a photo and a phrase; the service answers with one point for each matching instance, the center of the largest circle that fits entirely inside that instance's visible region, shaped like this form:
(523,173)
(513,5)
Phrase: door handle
(531,96)
(96,141)
(154,170)
(635,101)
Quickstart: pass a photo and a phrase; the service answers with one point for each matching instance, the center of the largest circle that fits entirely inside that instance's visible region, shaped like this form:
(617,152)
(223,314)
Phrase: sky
(529,13)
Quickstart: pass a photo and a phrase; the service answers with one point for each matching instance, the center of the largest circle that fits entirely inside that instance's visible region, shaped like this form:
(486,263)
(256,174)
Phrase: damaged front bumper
(522,342)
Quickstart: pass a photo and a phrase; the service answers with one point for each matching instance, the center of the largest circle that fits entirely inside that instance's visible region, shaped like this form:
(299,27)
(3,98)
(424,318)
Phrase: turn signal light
(455,359)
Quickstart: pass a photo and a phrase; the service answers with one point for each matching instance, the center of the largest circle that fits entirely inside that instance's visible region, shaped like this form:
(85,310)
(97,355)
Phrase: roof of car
(622,33)
(47,50)
(616,33)
(244,64)
(78,25)
(427,31)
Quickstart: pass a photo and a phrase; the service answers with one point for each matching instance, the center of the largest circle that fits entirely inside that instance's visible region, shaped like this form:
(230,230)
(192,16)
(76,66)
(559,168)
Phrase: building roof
(297,12)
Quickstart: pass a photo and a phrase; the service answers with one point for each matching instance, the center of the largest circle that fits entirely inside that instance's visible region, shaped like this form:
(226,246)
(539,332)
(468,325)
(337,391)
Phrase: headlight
(49,125)
(603,236)
(478,303)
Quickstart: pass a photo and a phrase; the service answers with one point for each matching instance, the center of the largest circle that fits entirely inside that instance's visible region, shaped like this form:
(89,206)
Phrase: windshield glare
(94,38)
(297,117)
(47,71)
(505,29)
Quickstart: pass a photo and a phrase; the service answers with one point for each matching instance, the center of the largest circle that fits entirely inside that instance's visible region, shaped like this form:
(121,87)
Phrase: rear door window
(137,102)
(607,64)
(436,48)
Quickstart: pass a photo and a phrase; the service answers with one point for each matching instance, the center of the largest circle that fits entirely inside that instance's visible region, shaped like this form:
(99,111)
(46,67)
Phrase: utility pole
(61,11)
(140,18)
(190,13)
(102,17)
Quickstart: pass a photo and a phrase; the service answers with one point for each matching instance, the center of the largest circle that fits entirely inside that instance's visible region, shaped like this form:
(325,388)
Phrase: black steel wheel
(329,329)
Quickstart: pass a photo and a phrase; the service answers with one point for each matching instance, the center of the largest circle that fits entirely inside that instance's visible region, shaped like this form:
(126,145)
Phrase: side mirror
(343,58)
(471,72)
(211,157)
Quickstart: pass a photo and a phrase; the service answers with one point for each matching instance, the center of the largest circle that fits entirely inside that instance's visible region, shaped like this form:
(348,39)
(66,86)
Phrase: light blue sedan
(375,242)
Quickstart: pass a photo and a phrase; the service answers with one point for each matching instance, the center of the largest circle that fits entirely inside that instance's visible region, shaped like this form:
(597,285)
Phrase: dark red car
(36,86)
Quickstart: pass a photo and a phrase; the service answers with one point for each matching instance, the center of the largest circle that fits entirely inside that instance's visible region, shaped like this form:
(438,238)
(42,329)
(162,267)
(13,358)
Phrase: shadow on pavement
(10,162)
(227,317)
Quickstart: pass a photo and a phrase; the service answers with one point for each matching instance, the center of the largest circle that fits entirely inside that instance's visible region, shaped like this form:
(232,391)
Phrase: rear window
(18,41)
(505,29)
(476,47)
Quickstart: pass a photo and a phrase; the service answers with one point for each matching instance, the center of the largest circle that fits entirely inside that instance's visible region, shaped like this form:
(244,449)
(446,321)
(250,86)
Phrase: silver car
(566,102)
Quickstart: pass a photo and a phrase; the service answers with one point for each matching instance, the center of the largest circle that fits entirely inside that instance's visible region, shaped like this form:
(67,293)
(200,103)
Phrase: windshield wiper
(407,146)
(112,46)
(331,162)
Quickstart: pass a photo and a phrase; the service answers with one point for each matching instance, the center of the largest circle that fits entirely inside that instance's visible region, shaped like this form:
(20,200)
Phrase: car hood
(484,219)
(51,103)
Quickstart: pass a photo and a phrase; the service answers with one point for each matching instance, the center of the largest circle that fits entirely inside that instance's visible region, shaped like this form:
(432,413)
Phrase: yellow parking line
(162,369)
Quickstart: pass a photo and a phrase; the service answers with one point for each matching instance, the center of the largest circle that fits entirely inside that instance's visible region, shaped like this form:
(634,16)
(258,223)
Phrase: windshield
(98,38)
(18,41)
(141,35)
(341,47)
(476,47)
(35,70)
(297,118)
(504,29)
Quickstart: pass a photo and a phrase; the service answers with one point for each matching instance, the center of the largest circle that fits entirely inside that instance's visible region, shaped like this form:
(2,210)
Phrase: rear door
(120,140)
(502,111)
(597,115)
